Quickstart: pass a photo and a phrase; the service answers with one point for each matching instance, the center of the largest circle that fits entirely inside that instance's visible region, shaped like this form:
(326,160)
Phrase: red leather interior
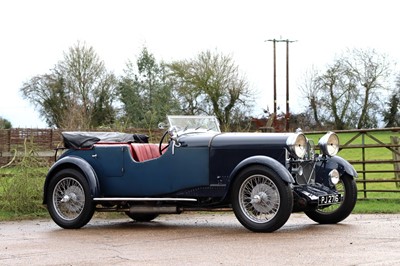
(145,151)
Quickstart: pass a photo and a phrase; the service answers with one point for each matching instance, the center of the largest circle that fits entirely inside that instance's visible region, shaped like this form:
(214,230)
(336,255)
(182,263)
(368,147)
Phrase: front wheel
(68,199)
(261,200)
(338,212)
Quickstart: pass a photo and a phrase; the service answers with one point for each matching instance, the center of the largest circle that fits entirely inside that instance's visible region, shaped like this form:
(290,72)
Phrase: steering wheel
(161,149)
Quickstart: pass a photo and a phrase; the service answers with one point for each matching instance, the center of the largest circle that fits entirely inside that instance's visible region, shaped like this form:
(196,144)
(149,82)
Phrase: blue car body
(196,170)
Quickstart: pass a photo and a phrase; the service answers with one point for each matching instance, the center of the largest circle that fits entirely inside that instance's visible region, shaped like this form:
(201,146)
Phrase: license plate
(329,199)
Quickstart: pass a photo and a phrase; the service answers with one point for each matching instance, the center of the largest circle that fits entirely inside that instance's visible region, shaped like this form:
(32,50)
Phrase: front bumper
(312,196)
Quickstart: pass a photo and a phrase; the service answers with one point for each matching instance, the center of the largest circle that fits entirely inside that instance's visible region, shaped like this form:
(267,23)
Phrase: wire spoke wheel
(259,198)
(337,212)
(68,198)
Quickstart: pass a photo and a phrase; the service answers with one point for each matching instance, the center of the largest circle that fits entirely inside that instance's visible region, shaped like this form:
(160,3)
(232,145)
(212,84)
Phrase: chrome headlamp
(329,144)
(334,176)
(297,145)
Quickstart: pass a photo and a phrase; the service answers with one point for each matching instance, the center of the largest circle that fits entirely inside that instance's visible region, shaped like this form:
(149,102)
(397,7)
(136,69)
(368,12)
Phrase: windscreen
(194,123)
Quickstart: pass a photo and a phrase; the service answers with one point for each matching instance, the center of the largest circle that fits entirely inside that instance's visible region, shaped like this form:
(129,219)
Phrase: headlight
(334,176)
(329,144)
(297,145)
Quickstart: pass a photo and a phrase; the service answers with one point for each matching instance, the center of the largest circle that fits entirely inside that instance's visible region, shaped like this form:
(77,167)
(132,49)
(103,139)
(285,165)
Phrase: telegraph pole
(274,42)
(287,116)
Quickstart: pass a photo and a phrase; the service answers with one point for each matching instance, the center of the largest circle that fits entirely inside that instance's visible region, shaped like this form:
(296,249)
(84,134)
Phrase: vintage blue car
(263,177)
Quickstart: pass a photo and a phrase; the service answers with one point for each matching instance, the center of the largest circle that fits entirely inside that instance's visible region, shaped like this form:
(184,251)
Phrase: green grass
(21,186)
(377,206)
(13,216)
(21,190)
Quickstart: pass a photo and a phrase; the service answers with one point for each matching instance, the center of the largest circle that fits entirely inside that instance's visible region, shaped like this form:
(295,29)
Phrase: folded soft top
(81,139)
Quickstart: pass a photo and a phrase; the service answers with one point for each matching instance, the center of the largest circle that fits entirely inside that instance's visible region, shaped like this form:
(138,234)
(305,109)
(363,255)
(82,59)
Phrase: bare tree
(311,91)
(371,72)
(212,84)
(337,85)
(77,93)
(346,94)
(391,114)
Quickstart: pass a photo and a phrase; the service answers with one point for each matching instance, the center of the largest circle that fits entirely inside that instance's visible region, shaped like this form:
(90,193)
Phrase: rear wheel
(68,199)
(261,200)
(338,212)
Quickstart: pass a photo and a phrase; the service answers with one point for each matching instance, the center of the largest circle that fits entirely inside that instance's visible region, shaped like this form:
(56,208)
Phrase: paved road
(203,239)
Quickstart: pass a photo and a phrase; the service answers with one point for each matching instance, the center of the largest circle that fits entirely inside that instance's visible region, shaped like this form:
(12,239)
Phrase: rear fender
(77,163)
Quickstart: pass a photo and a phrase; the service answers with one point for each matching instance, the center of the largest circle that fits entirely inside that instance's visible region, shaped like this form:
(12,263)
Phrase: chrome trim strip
(143,199)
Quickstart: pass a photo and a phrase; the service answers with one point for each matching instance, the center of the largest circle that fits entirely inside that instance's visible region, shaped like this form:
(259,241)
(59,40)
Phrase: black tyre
(338,212)
(261,200)
(142,217)
(68,199)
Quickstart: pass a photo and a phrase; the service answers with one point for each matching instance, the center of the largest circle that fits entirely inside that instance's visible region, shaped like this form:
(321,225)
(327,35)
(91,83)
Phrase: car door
(185,168)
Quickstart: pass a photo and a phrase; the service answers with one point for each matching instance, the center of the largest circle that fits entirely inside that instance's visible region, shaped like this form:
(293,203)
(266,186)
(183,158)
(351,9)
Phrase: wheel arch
(76,163)
(266,161)
(323,167)
(344,167)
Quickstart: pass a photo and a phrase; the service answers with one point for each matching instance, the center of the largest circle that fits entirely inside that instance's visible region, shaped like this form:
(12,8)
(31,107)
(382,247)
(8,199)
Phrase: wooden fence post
(396,158)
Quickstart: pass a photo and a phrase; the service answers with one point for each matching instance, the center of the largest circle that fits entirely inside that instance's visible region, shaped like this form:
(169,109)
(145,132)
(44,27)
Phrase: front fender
(323,167)
(74,162)
(268,162)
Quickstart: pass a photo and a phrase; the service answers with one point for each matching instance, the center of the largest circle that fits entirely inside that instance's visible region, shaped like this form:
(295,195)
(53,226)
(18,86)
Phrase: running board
(144,199)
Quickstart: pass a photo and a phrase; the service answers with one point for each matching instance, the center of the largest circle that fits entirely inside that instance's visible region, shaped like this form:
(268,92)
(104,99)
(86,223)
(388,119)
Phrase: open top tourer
(262,177)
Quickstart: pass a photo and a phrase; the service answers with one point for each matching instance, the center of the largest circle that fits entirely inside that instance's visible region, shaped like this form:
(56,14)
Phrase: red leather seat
(145,151)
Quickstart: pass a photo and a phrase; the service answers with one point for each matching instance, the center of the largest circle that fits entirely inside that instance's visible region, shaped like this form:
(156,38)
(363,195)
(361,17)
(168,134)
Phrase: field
(21,186)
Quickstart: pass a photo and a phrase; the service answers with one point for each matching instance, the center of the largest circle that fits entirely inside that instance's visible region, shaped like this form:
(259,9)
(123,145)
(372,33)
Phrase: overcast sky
(34,35)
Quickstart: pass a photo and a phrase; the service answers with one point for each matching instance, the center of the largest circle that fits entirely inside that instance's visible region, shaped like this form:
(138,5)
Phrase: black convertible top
(81,139)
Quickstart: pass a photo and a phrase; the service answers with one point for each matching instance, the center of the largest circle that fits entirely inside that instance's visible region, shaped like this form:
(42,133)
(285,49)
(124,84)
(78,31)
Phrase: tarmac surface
(203,239)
